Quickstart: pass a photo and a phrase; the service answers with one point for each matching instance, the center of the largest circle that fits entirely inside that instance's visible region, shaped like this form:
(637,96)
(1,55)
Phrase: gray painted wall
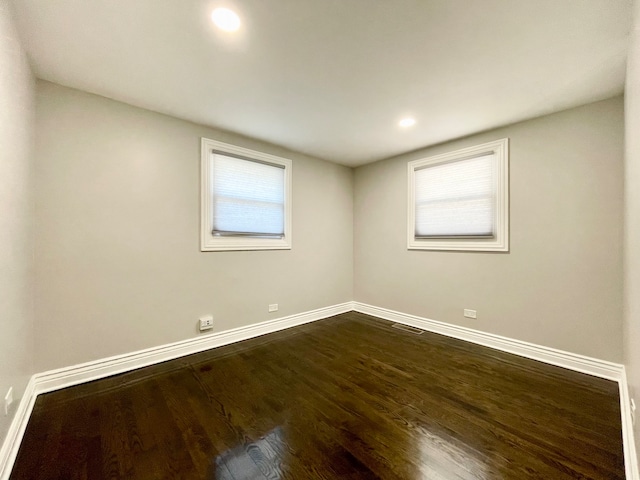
(16,212)
(561,283)
(632,219)
(118,264)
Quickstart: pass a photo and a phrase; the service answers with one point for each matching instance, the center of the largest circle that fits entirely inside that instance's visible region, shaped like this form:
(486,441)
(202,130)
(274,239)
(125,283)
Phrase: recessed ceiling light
(226,19)
(407,122)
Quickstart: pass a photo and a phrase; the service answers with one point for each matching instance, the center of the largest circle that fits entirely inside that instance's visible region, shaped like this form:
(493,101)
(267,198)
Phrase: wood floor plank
(347,397)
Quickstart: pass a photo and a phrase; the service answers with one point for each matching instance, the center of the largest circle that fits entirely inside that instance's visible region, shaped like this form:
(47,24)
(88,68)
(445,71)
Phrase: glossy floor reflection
(257,460)
(344,398)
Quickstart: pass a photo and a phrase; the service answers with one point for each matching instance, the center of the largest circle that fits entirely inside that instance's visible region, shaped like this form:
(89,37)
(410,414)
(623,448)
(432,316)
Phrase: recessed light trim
(407,122)
(225,19)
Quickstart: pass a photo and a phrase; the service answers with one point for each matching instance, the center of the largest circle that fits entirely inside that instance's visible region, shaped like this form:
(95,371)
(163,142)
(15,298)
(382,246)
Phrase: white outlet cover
(206,322)
(8,400)
(273,307)
(470,313)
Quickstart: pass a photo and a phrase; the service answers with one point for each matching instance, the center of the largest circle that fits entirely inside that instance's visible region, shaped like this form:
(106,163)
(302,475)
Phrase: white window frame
(212,243)
(497,243)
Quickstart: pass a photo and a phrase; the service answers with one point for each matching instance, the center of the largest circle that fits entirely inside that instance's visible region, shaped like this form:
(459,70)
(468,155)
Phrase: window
(246,199)
(460,200)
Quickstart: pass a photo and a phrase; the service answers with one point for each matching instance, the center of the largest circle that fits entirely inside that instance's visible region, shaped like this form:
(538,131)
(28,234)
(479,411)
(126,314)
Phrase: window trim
(212,243)
(500,241)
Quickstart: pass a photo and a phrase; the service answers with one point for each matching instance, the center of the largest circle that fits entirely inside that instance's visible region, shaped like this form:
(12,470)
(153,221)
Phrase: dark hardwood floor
(348,397)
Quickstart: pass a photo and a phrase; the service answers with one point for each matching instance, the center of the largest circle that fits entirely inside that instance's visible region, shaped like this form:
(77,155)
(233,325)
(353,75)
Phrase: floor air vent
(407,328)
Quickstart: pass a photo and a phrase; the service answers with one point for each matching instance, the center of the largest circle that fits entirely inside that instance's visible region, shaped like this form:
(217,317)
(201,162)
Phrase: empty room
(319,239)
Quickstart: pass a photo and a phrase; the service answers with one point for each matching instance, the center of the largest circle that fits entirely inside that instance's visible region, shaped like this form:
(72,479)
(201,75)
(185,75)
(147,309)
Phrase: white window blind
(248,197)
(456,199)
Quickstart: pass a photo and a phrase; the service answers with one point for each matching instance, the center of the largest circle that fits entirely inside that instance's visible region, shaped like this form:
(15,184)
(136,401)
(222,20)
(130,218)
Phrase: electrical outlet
(273,307)
(8,400)
(470,313)
(206,323)
(633,412)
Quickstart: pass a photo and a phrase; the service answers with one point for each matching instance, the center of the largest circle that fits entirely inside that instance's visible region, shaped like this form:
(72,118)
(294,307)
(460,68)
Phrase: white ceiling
(331,78)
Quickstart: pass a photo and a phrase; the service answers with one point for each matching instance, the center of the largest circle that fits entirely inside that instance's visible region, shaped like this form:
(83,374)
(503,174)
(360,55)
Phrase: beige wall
(118,260)
(632,219)
(16,214)
(560,285)
(119,269)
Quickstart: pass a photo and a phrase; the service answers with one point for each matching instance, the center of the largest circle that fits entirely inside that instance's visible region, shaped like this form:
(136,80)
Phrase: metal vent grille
(407,328)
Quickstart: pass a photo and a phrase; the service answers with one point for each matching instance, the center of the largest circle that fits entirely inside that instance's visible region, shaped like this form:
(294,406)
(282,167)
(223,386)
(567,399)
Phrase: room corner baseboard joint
(11,444)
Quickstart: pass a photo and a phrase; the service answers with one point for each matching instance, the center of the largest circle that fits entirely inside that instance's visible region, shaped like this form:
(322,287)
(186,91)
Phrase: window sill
(488,245)
(225,244)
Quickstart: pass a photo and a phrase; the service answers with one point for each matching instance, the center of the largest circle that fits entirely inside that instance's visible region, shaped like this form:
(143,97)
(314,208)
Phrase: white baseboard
(86,372)
(11,444)
(572,361)
(106,367)
(628,440)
